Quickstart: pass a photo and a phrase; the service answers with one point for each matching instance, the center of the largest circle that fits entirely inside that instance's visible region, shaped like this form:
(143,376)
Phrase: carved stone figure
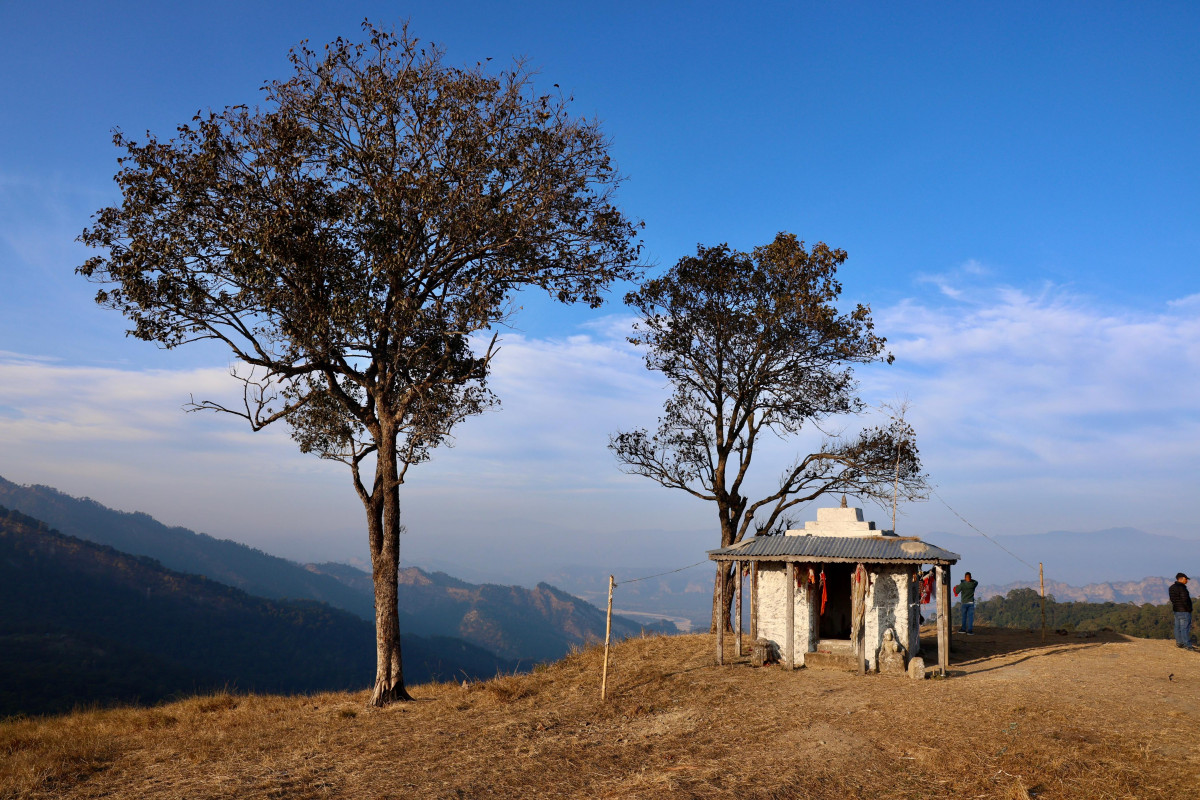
(892,658)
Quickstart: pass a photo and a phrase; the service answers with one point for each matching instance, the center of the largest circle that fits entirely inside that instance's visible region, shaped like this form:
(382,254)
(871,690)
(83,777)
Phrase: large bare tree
(753,343)
(354,243)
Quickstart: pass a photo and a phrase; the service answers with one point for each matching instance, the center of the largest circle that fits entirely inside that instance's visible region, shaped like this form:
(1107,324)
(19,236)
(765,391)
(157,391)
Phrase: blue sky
(1016,185)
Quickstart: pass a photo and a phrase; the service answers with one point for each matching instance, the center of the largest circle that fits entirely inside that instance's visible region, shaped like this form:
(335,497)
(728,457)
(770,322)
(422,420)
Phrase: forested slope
(512,621)
(1022,608)
(180,549)
(84,623)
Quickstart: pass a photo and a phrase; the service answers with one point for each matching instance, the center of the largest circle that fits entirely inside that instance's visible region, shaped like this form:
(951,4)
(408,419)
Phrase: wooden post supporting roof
(719,612)
(753,602)
(790,639)
(860,616)
(943,618)
(737,576)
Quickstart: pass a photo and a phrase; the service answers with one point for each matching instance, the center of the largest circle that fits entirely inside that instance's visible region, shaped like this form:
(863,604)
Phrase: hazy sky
(1016,185)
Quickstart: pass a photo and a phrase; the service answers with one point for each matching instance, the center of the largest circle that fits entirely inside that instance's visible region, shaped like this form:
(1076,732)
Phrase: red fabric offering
(927,588)
(824,596)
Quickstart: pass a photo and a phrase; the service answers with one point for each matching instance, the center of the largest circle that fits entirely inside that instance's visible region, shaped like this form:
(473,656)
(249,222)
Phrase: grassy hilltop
(1108,716)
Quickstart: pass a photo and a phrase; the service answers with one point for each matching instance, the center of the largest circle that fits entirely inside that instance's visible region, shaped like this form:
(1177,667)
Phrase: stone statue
(892,658)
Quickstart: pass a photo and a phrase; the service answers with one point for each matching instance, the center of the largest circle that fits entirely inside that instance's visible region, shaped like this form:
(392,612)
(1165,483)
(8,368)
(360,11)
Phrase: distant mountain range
(1102,566)
(84,623)
(1114,555)
(676,595)
(1148,590)
(222,560)
(521,624)
(517,624)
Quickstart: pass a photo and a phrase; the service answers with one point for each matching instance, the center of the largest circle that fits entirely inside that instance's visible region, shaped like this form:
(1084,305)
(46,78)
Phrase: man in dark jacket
(1181,604)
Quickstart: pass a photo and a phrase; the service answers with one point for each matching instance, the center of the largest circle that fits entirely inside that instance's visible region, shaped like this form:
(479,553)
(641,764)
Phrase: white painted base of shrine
(892,602)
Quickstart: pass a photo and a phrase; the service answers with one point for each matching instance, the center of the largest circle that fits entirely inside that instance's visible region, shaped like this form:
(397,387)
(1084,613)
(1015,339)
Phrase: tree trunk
(383,522)
(721,612)
(389,672)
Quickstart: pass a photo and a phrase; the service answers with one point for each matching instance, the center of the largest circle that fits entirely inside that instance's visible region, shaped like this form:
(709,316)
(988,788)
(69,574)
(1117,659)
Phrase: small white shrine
(840,592)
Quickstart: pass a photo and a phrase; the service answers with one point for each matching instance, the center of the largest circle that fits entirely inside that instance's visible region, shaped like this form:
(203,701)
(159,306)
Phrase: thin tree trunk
(717,618)
(723,587)
(383,520)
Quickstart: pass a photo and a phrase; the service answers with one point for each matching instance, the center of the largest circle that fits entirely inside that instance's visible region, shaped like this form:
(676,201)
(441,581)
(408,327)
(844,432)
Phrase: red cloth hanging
(927,588)
(824,596)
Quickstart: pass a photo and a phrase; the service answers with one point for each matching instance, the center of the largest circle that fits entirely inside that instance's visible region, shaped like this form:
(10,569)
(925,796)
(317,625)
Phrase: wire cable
(660,574)
(981,533)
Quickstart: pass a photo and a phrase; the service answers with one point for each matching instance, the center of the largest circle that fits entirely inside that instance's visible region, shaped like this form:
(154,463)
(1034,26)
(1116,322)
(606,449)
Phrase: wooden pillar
(753,602)
(790,638)
(943,618)
(860,629)
(737,572)
(720,613)
(949,616)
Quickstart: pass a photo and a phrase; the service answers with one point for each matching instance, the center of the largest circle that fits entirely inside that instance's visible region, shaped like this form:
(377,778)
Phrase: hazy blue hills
(538,624)
(1112,565)
(1073,558)
(1151,590)
(180,549)
(84,623)
(514,622)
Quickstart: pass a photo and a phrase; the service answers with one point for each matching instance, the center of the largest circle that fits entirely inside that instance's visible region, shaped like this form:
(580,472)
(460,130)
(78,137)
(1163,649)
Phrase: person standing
(966,590)
(1181,604)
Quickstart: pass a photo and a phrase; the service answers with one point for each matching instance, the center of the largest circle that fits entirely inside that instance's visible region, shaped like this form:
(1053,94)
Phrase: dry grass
(1094,718)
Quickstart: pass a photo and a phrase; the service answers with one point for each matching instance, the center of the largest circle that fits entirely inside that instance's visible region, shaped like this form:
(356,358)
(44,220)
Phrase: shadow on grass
(658,678)
(988,644)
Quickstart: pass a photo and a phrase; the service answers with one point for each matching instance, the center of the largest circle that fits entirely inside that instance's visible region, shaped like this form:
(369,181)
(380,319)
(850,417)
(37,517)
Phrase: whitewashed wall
(889,605)
(772,612)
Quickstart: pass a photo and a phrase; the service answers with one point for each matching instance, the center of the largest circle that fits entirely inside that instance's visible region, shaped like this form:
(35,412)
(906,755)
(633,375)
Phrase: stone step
(825,660)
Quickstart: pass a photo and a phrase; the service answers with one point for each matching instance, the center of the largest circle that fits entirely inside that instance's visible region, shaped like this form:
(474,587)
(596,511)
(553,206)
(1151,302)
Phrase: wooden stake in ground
(607,639)
(1042,583)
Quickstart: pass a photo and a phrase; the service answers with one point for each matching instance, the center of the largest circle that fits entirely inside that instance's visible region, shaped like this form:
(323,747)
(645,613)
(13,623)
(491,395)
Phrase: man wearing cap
(1181,604)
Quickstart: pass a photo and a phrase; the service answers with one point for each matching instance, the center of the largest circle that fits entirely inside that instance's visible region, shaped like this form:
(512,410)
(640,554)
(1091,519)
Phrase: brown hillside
(1071,718)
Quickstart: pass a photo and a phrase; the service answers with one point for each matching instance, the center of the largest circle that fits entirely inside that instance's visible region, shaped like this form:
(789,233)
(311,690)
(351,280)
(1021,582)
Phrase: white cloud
(1191,301)
(536,467)
(957,283)
(1035,411)
(1032,397)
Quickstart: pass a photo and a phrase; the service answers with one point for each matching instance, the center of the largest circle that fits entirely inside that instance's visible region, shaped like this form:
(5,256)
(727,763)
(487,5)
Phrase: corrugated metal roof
(835,548)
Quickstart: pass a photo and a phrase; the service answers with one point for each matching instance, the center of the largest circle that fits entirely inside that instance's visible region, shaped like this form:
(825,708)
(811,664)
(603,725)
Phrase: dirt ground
(1106,717)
